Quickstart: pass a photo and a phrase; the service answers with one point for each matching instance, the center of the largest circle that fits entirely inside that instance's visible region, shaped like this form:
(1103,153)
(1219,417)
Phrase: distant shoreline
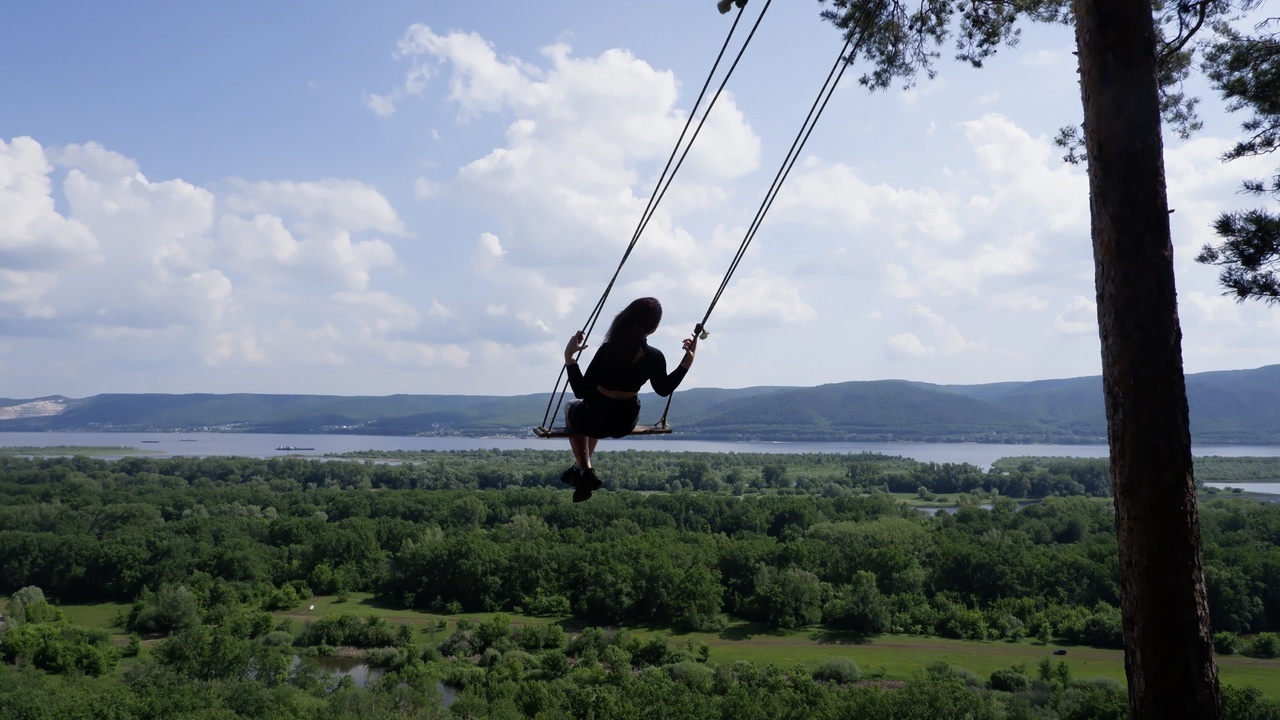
(264,445)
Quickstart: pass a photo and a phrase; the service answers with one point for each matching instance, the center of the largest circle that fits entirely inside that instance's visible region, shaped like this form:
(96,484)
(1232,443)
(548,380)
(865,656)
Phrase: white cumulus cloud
(268,273)
(33,234)
(1079,316)
(907,345)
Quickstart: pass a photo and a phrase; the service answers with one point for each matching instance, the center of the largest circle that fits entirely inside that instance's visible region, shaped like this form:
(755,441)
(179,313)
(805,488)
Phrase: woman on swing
(607,404)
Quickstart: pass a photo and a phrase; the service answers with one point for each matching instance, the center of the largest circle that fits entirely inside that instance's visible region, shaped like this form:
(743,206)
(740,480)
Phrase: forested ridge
(204,549)
(1240,406)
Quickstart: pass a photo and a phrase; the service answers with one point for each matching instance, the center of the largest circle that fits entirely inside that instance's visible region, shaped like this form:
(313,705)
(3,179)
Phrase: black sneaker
(587,484)
(571,476)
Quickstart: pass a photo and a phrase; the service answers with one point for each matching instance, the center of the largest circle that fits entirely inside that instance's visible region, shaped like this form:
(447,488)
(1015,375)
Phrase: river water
(268,445)
(1249,487)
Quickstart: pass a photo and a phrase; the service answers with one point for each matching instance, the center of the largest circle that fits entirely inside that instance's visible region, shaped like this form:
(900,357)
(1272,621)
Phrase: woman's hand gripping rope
(690,346)
(577,344)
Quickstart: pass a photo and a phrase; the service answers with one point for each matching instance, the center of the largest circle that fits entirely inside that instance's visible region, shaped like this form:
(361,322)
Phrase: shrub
(518,660)
(494,629)
(59,648)
(654,652)
(968,677)
(1248,703)
(617,659)
(539,637)
(1266,645)
(942,670)
(462,675)
(1010,679)
(284,598)
(552,605)
(349,629)
(134,648)
(430,654)
(859,607)
(1097,700)
(695,676)
(840,670)
(404,636)
(462,643)
(1226,643)
(22,597)
(277,638)
(590,638)
(553,664)
(172,609)
(387,657)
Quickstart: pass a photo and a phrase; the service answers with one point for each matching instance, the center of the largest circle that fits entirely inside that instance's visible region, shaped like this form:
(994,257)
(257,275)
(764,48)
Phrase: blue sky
(396,197)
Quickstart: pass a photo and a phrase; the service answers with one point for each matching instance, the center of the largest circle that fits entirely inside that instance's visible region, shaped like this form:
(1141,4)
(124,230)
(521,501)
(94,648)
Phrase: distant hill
(1239,406)
(879,410)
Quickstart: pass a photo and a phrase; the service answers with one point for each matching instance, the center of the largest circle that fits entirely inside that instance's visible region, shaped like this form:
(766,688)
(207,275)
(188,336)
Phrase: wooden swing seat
(561,432)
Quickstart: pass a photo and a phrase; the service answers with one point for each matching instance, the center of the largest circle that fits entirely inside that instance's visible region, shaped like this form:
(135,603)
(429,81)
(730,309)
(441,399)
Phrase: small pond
(362,673)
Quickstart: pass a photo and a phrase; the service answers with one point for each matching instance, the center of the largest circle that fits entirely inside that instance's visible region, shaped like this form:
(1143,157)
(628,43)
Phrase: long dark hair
(630,327)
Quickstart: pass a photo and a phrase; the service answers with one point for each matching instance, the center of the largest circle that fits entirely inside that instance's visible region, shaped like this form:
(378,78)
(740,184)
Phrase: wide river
(262,446)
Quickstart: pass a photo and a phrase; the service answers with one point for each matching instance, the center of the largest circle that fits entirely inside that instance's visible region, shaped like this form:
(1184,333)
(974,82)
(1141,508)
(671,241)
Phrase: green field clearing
(99,615)
(365,604)
(939,500)
(887,656)
(893,656)
(898,656)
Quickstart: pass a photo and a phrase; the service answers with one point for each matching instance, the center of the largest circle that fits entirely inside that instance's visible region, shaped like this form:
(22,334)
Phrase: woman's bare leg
(591,450)
(582,447)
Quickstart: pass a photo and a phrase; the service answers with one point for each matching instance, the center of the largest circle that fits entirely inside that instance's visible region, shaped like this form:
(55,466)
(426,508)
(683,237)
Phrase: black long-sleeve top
(611,371)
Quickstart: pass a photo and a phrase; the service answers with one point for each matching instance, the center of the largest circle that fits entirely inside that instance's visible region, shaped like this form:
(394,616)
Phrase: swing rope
(664,182)
(843,60)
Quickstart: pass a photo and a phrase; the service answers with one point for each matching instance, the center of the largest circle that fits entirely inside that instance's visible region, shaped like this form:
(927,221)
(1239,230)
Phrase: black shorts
(602,417)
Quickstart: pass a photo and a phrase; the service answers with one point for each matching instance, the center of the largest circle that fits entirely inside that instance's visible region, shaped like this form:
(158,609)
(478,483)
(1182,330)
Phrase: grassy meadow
(890,657)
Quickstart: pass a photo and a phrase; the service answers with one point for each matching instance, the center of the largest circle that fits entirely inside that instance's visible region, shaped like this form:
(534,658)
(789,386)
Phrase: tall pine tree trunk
(1168,649)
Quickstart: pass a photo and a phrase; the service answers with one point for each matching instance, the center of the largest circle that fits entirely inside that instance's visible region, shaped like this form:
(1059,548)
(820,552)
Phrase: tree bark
(1168,648)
